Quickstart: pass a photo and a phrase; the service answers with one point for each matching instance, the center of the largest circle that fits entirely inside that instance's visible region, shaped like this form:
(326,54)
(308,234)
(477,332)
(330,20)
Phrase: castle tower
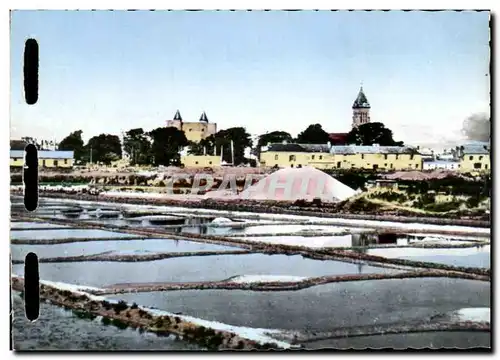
(360,110)
(176,122)
(204,118)
(178,116)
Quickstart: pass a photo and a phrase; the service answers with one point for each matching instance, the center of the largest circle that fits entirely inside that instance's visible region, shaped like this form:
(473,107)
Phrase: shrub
(106,305)
(122,305)
(473,202)
(119,324)
(316,202)
(443,206)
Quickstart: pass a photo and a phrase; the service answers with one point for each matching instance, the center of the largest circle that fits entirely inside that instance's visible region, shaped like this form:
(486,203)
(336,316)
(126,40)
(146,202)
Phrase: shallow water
(434,340)
(194,268)
(62,234)
(324,307)
(468,257)
(137,247)
(27,225)
(59,329)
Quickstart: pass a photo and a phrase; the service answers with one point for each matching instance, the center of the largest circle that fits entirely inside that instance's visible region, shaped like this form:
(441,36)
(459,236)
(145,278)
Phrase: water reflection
(366,239)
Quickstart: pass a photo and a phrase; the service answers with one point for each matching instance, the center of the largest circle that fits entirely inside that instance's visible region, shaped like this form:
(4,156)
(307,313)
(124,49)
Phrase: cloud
(477,127)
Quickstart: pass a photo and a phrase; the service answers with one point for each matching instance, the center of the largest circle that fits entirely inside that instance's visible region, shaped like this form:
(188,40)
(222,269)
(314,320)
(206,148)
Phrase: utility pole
(232,153)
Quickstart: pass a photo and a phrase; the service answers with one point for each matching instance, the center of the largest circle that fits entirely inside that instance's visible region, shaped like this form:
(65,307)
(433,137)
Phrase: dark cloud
(477,127)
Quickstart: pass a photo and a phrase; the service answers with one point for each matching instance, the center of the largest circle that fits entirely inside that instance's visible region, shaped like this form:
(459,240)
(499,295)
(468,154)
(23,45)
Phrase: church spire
(203,117)
(360,109)
(178,116)
(361,101)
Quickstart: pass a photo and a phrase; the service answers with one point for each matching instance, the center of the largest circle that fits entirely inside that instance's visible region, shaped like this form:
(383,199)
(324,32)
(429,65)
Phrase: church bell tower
(360,110)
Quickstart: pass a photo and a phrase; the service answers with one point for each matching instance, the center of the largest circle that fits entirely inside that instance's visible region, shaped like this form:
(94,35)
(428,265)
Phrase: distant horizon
(423,73)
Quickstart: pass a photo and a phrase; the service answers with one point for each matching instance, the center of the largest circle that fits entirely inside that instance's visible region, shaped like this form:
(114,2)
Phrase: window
(339,164)
(210,163)
(416,166)
(190,129)
(391,165)
(291,158)
(196,162)
(65,161)
(275,157)
(362,156)
(56,163)
(477,165)
(202,129)
(312,157)
(375,166)
(291,165)
(385,156)
(43,163)
(321,157)
(481,157)
(397,156)
(412,156)
(486,166)
(471,157)
(385,165)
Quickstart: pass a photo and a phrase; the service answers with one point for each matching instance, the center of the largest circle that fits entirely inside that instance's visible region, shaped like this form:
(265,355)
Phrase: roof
(476,148)
(292,147)
(442,162)
(338,137)
(361,101)
(372,149)
(286,148)
(177,116)
(45,154)
(203,117)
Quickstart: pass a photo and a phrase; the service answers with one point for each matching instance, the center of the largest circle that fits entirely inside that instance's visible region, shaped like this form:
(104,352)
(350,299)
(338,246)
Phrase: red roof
(338,137)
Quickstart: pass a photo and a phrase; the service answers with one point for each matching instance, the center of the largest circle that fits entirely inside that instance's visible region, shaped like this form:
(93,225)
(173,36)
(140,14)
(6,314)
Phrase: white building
(441,164)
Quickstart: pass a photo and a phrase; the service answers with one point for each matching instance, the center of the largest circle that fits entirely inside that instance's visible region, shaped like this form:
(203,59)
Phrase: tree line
(161,146)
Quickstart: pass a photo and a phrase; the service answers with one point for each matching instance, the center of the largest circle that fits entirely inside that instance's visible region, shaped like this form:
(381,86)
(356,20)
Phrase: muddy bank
(322,210)
(132,258)
(137,317)
(281,285)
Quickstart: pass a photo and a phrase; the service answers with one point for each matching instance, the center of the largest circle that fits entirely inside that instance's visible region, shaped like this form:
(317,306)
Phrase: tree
(72,142)
(138,146)
(314,134)
(167,142)
(272,137)
(18,144)
(222,139)
(104,148)
(29,140)
(372,133)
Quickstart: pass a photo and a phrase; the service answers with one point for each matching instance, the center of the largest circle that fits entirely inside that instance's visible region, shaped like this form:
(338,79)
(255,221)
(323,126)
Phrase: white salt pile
(242,279)
(304,183)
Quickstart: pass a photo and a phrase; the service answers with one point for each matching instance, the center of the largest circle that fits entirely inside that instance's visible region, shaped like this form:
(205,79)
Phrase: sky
(110,71)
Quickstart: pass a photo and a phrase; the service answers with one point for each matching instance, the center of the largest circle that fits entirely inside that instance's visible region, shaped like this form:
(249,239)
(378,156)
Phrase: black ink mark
(31,287)
(31,71)
(30,177)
